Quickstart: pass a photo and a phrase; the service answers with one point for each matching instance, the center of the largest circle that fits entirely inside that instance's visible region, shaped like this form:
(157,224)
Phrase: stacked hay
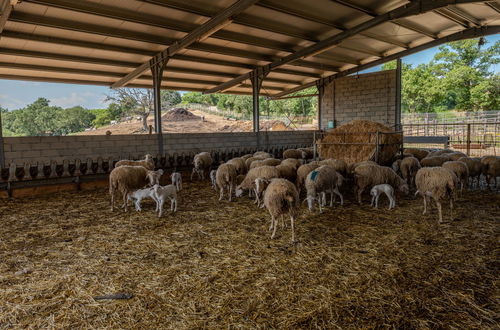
(356,142)
(179,114)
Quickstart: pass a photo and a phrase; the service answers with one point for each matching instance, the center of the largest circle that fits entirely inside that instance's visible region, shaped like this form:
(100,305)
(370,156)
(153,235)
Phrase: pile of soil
(179,114)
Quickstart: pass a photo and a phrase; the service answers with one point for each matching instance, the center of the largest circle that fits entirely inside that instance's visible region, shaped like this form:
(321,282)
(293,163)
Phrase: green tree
(169,99)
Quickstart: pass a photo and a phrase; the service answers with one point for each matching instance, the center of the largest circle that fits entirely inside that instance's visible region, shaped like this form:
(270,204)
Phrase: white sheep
(370,175)
(438,183)
(320,181)
(239,163)
(292,153)
(213,174)
(162,193)
(138,195)
(176,180)
(202,163)
(266,172)
(129,178)
(147,162)
(225,178)
(383,188)
(281,197)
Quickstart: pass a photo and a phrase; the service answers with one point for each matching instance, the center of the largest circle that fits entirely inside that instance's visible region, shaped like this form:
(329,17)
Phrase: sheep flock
(283,185)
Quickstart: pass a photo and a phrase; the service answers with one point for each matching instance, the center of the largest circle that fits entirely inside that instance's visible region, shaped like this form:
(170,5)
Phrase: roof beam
(138,36)
(494,5)
(465,34)
(129,50)
(451,17)
(6,7)
(413,8)
(468,18)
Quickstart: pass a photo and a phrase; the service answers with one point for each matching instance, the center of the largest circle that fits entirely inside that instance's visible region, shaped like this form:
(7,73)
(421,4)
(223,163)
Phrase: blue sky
(17,94)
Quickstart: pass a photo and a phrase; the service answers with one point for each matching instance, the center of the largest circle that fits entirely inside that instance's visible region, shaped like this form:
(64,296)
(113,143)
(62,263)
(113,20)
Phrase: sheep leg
(373,201)
(438,204)
(112,200)
(160,211)
(175,208)
(275,225)
(230,192)
(451,208)
(425,203)
(125,200)
(138,205)
(376,200)
(221,193)
(192,174)
(292,220)
(337,192)
(360,192)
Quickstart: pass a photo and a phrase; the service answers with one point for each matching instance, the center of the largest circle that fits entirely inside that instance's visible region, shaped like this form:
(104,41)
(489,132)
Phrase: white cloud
(10,103)
(73,99)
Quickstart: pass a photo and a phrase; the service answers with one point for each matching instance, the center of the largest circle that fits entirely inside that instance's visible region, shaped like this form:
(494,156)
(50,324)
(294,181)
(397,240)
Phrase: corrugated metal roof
(100,42)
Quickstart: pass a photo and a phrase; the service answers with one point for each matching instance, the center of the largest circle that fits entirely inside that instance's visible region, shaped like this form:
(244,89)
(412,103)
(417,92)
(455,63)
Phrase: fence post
(468,139)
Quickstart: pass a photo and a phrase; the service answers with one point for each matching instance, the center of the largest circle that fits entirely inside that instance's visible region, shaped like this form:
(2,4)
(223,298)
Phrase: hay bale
(356,141)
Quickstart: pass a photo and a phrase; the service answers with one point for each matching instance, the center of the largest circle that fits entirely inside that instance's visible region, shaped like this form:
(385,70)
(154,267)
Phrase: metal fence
(474,138)
(450,117)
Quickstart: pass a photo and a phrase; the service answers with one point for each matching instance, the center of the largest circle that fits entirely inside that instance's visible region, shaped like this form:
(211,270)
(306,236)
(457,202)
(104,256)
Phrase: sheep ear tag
(314,174)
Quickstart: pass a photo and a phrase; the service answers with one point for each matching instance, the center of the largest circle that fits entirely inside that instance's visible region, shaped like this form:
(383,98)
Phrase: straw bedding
(212,265)
(356,141)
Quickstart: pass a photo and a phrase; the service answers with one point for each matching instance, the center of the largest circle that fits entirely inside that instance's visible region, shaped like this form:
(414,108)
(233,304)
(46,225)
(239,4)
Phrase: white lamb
(213,178)
(162,193)
(177,180)
(138,195)
(383,188)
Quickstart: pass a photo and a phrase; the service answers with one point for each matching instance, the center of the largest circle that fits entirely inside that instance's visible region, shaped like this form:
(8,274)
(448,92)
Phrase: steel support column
(397,108)
(2,153)
(257,77)
(320,85)
(157,71)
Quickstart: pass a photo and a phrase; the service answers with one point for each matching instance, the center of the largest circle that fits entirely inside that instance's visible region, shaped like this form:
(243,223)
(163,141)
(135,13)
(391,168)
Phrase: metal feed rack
(377,136)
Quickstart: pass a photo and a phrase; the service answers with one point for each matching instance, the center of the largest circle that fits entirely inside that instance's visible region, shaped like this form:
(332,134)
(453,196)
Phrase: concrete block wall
(370,96)
(42,149)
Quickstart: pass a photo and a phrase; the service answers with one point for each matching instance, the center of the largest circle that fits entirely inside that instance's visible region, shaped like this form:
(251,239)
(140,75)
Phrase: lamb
(409,168)
(262,154)
(438,183)
(302,172)
(417,153)
(264,162)
(147,162)
(265,172)
(371,175)
(202,163)
(320,181)
(461,171)
(213,174)
(226,179)
(292,153)
(138,195)
(491,169)
(383,188)
(239,163)
(475,168)
(433,161)
(176,178)
(162,193)
(287,172)
(292,162)
(281,197)
(338,164)
(129,178)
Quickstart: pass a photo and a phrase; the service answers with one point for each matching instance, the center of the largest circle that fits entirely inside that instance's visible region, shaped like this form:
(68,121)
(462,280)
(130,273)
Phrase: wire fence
(450,117)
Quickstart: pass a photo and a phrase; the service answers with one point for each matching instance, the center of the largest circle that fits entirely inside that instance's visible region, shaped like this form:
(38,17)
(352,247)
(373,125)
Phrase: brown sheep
(240,165)
(202,163)
(292,153)
(417,153)
(147,162)
(287,172)
(433,161)
(338,164)
(307,153)
(302,173)
(320,181)
(455,155)
(126,179)
(262,154)
(461,171)
(250,160)
(438,183)
(264,162)
(475,168)
(439,152)
(491,169)
(351,167)
(409,168)
(226,179)
(292,162)
(281,197)
(265,172)
(367,176)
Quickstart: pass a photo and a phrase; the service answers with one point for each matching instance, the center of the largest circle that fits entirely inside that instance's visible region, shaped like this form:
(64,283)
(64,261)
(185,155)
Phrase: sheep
(292,162)
(417,153)
(409,168)
(262,154)
(147,162)
(250,160)
(383,188)
(287,172)
(292,153)
(129,178)
(239,163)
(264,162)
(162,193)
(439,152)
(475,168)
(307,153)
(455,155)
(202,163)
(213,174)
(302,172)
(461,171)
(245,157)
(438,183)
(176,178)
(281,197)
(433,161)
(491,169)
(239,179)
(339,165)
(265,172)
(370,175)
(226,179)
(320,181)
(138,195)
(351,167)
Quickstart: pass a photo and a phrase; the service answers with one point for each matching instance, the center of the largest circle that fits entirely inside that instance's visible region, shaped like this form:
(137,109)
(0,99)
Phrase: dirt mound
(247,126)
(357,141)
(179,114)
